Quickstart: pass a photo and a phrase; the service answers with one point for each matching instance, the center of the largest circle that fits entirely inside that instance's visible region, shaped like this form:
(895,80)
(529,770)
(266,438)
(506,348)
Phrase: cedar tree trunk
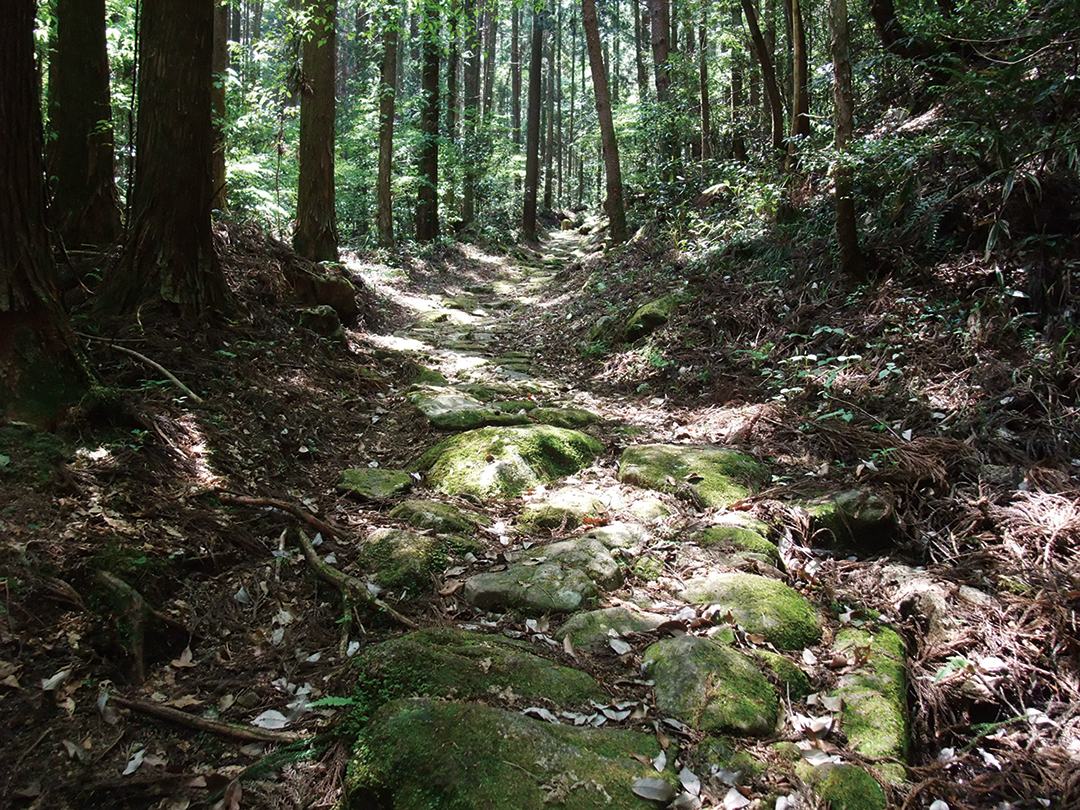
(847,236)
(387,92)
(427,201)
(532,131)
(764,58)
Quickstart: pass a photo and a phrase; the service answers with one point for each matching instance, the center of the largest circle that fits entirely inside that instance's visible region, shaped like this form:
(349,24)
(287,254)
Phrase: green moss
(404,559)
(437,516)
(648,568)
(720,477)
(737,537)
(373,484)
(496,461)
(590,629)
(564,417)
(761,605)
(793,681)
(875,696)
(426,755)
(427,376)
(844,787)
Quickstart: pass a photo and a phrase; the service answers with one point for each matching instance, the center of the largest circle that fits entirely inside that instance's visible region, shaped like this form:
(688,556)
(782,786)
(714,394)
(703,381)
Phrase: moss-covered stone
(494,461)
(515,405)
(450,663)
(371,484)
(619,535)
(794,683)
(535,590)
(322,320)
(843,787)
(427,376)
(731,536)
(649,509)
(648,568)
(874,714)
(405,559)
(561,509)
(422,754)
(448,409)
(589,630)
(711,686)
(437,516)
(565,417)
(720,477)
(855,520)
(759,604)
(649,316)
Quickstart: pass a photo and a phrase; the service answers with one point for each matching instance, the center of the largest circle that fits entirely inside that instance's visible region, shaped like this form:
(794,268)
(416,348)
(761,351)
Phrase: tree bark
(220,67)
(532,131)
(169,256)
(800,98)
(427,203)
(549,120)
(639,57)
(515,76)
(768,75)
(703,75)
(658,14)
(85,207)
(316,220)
(491,13)
(847,236)
(471,109)
(387,98)
(613,204)
(40,373)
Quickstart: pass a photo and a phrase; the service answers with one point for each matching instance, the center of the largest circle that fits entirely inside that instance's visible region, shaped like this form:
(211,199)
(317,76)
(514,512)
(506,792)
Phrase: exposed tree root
(237,732)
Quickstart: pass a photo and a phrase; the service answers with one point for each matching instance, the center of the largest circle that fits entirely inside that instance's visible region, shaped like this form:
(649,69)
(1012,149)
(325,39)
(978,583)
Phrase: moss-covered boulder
(534,590)
(591,630)
(710,686)
(874,714)
(628,537)
(736,534)
(420,754)
(854,521)
(448,409)
(372,484)
(719,477)
(760,605)
(322,320)
(572,418)
(650,316)
(436,516)
(446,662)
(561,509)
(398,558)
(497,461)
(794,683)
(843,787)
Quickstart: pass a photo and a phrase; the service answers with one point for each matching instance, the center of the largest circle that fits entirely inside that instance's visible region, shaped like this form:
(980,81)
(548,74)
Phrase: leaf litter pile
(181,590)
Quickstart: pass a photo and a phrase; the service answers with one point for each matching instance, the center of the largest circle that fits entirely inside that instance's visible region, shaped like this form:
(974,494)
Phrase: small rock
(372,484)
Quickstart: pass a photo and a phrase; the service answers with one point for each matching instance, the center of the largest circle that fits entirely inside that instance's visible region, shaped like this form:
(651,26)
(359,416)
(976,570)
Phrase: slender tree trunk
(453,65)
(847,236)
(169,256)
(549,121)
(491,14)
(613,204)
(703,74)
(471,109)
(614,74)
(515,75)
(427,205)
(639,58)
(532,131)
(220,68)
(40,374)
(387,94)
(85,207)
(316,221)
(559,110)
(800,100)
(658,13)
(738,98)
(764,58)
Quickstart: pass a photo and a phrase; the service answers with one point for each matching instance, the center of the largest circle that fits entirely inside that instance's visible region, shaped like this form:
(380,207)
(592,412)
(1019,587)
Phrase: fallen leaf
(271,719)
(76,751)
(135,762)
(619,646)
(690,782)
(451,586)
(568,646)
(184,702)
(808,657)
(541,713)
(49,684)
(734,800)
(660,762)
(654,789)
(12,682)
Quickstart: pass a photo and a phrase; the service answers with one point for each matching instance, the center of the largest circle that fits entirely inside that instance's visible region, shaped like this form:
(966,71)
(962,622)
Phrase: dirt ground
(136,575)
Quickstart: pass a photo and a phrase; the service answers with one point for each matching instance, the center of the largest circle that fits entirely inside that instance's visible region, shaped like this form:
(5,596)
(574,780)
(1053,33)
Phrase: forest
(473,403)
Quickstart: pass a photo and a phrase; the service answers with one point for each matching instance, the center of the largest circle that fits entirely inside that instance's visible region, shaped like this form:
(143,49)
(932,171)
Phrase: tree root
(284,506)
(237,732)
(142,358)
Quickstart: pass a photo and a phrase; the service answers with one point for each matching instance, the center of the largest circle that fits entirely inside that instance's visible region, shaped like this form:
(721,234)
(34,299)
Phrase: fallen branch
(284,506)
(238,732)
(351,588)
(152,363)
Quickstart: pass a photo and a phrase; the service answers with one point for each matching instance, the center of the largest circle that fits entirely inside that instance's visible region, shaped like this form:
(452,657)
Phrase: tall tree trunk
(639,57)
(613,204)
(800,99)
(532,131)
(316,221)
(515,75)
(658,13)
(764,58)
(847,236)
(738,99)
(549,121)
(40,373)
(491,14)
(169,256)
(387,97)
(220,67)
(471,109)
(427,203)
(85,207)
(559,109)
(703,75)
(615,74)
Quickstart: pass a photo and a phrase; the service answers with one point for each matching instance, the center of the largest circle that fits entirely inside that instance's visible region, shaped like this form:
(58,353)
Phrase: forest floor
(912,390)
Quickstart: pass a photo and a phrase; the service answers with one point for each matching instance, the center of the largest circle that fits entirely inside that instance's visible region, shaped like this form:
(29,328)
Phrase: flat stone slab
(447,662)
(760,605)
(565,417)
(497,461)
(424,753)
(372,484)
(448,409)
(590,630)
(564,508)
(536,590)
(711,687)
(400,558)
(719,477)
(437,516)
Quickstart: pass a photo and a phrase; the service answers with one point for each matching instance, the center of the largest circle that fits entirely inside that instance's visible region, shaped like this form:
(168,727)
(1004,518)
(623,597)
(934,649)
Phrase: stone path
(625,640)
